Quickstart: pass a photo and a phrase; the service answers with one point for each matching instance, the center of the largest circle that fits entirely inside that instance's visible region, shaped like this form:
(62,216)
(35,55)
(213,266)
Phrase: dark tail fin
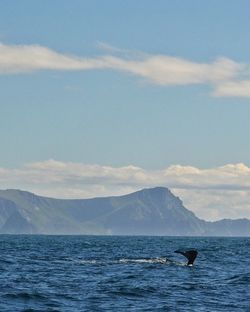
(189,254)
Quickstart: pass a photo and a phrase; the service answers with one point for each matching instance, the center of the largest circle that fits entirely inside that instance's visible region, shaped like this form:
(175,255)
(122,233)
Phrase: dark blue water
(96,273)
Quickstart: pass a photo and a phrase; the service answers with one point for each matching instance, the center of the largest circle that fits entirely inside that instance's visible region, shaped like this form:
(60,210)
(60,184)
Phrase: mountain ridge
(152,211)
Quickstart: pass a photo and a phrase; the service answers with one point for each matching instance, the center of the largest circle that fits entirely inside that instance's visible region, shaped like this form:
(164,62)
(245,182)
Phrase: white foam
(87,261)
(154,260)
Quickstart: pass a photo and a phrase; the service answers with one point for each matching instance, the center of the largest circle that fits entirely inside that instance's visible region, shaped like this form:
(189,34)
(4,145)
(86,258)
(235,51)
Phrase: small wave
(6,261)
(240,279)
(25,296)
(30,310)
(130,292)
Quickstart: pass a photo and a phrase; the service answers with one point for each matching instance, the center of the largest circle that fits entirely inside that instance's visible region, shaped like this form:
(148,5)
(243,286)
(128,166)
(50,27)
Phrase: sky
(104,98)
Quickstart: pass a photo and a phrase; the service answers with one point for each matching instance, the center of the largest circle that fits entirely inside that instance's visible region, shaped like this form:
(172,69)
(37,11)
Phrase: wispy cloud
(28,58)
(211,193)
(233,89)
(222,74)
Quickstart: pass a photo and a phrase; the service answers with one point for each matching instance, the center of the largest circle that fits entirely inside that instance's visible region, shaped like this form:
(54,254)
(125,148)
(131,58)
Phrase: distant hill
(153,211)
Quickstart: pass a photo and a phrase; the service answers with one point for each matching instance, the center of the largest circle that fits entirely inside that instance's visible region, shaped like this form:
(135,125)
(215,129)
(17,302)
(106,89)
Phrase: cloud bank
(223,74)
(221,192)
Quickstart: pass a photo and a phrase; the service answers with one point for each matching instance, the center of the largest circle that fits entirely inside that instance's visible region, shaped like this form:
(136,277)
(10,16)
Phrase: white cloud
(214,204)
(214,193)
(166,70)
(233,89)
(158,69)
(27,58)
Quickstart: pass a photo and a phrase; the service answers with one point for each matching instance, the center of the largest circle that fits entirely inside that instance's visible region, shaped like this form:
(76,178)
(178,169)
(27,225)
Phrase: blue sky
(131,84)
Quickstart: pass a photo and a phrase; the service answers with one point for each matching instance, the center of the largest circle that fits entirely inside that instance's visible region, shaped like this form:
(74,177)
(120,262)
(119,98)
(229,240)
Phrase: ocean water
(105,273)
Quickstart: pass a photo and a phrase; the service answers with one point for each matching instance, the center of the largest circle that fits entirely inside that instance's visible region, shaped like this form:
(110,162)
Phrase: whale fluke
(189,254)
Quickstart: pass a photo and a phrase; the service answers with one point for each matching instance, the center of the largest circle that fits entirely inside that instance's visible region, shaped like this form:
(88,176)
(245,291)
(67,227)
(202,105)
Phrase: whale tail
(189,254)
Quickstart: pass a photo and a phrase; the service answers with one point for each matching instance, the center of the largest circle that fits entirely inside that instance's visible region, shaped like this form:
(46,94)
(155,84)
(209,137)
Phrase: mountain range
(154,211)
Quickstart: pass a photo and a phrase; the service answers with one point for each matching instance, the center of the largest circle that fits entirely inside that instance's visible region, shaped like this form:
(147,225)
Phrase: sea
(123,273)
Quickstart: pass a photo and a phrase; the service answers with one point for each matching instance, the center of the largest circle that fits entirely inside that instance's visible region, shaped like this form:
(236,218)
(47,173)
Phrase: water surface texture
(105,273)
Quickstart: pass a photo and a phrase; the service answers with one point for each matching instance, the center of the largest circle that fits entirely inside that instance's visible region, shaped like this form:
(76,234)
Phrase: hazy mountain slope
(17,224)
(153,211)
(227,227)
(52,216)
(7,208)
